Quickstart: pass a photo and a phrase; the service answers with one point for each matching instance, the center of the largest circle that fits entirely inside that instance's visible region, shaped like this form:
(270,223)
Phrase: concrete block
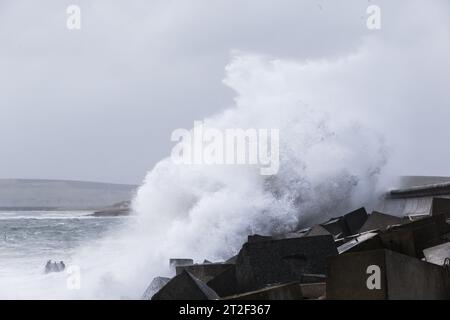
(225,283)
(282,261)
(185,287)
(362,242)
(441,206)
(439,220)
(313,278)
(346,225)
(156,285)
(380,221)
(410,239)
(336,227)
(204,272)
(317,230)
(438,254)
(399,277)
(258,238)
(355,220)
(315,290)
(287,291)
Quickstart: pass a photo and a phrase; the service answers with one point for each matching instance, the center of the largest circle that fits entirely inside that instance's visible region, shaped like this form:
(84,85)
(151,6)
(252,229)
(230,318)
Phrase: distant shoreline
(14,209)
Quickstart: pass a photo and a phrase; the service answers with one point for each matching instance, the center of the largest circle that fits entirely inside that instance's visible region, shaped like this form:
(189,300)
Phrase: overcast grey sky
(99,103)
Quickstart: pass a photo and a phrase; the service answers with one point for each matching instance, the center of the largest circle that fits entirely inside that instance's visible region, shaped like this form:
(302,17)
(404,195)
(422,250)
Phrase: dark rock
(119,209)
(156,285)
(185,287)
(204,272)
(401,277)
(51,266)
(281,261)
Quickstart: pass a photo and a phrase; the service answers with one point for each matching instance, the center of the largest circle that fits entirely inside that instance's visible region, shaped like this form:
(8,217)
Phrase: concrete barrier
(156,285)
(384,274)
(185,287)
(288,291)
(380,221)
(205,271)
(441,206)
(282,261)
(225,283)
(438,254)
(410,239)
(346,225)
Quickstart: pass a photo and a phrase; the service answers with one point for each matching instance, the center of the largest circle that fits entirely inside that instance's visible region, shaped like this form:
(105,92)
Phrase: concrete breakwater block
(185,287)
(315,290)
(441,205)
(384,274)
(381,221)
(438,254)
(410,238)
(225,283)
(154,286)
(281,261)
(346,225)
(287,291)
(204,271)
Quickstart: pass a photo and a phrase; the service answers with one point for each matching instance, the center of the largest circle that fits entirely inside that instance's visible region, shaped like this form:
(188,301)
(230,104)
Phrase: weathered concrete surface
(317,230)
(401,277)
(204,272)
(410,238)
(315,290)
(380,221)
(437,254)
(185,287)
(441,206)
(361,242)
(258,238)
(225,283)
(156,285)
(288,291)
(346,225)
(282,261)
(313,278)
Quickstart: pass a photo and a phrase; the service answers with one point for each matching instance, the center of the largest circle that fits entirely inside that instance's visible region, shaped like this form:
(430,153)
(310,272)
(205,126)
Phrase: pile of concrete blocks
(354,256)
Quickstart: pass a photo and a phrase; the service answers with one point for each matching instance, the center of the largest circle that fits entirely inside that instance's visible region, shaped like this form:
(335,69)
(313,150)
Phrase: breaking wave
(329,163)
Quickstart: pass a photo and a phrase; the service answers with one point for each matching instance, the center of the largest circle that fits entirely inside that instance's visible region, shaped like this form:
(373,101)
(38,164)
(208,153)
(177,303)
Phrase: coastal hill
(23,194)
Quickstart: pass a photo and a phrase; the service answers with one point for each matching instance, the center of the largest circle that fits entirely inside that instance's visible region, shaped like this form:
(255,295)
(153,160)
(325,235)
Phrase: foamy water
(29,239)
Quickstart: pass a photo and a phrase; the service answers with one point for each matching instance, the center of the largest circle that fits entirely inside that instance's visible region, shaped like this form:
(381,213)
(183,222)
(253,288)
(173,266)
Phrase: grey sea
(30,238)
